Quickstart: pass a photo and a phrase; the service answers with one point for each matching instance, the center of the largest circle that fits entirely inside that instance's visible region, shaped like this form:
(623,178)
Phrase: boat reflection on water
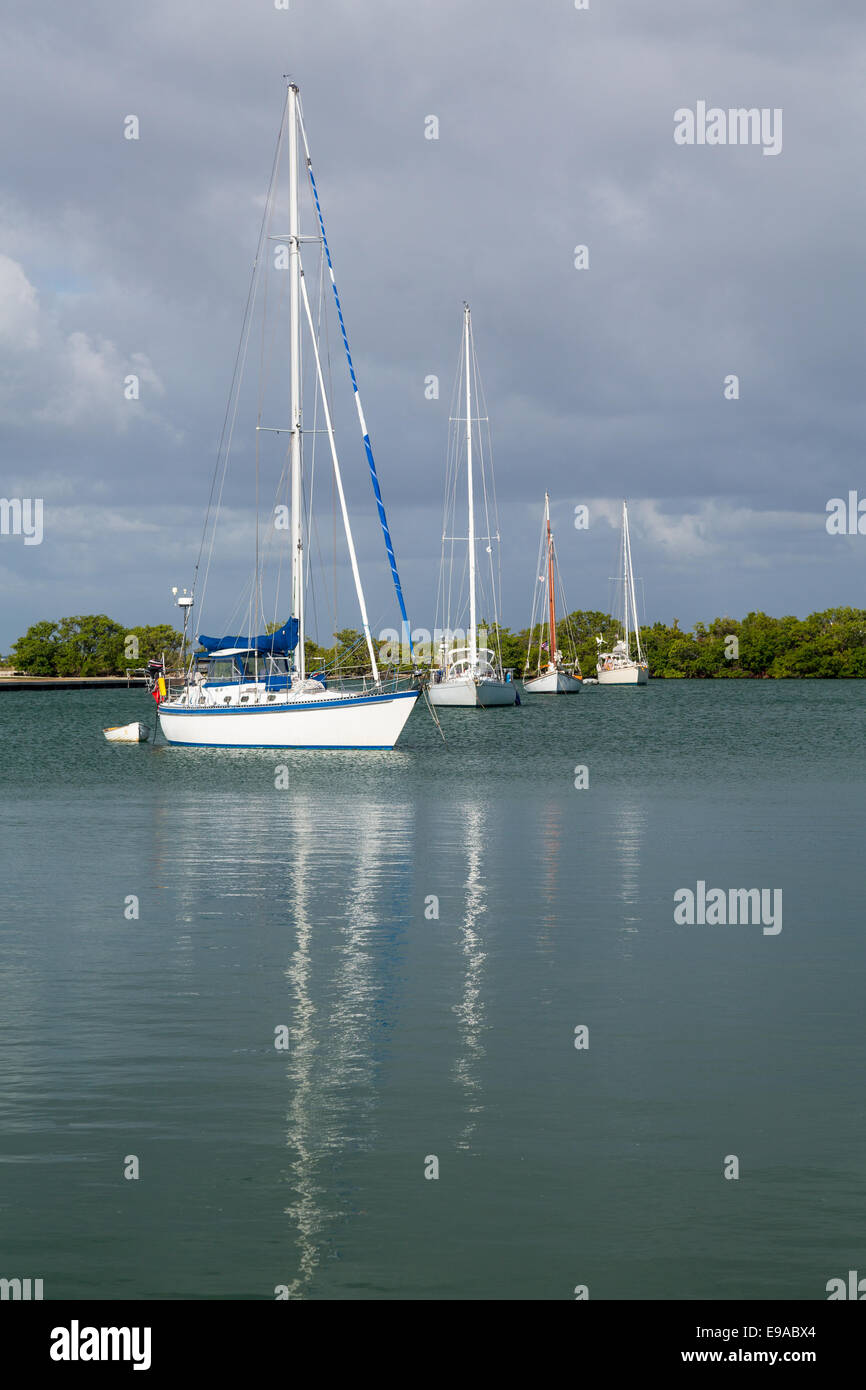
(309,888)
(549,848)
(339,975)
(305,913)
(470,1010)
(629,829)
(306,1211)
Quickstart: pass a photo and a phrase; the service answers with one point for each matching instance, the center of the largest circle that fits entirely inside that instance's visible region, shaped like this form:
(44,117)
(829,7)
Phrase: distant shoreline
(71,683)
(56,683)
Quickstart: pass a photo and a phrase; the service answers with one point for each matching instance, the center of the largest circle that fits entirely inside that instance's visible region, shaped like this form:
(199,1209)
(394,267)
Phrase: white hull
(127,733)
(552,683)
(315,721)
(466,693)
(623,675)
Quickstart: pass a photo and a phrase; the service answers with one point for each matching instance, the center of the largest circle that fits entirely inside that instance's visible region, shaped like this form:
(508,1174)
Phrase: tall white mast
(630,574)
(625,575)
(473,630)
(295,378)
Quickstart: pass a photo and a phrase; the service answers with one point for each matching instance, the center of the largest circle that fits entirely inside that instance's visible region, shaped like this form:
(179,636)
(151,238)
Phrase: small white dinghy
(127,733)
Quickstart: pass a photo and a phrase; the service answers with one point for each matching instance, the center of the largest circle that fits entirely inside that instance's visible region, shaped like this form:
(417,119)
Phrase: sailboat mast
(630,573)
(551,589)
(473,630)
(625,576)
(295,379)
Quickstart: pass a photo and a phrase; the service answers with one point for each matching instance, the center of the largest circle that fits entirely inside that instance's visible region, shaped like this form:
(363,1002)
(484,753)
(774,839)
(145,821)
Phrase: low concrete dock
(10,681)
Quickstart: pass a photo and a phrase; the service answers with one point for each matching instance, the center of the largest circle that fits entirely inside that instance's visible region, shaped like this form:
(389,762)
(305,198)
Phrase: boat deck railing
(242,693)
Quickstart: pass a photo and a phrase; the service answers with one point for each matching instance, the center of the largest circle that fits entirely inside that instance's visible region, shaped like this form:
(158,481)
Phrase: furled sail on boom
(285,639)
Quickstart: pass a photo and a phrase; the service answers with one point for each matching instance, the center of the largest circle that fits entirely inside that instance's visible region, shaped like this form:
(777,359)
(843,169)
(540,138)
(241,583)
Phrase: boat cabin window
(278,666)
(223,670)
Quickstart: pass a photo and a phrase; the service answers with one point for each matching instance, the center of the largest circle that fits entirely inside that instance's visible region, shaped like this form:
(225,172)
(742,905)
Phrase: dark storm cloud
(556,128)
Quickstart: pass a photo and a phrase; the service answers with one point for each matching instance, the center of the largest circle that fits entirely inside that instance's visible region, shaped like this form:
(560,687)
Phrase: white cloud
(707,527)
(19,309)
(57,378)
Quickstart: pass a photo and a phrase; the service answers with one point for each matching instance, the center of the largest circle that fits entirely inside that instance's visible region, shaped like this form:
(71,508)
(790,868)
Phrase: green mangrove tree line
(828,644)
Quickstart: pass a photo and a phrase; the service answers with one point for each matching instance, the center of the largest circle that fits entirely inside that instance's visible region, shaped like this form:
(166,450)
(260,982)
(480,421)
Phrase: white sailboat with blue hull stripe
(253,690)
(249,718)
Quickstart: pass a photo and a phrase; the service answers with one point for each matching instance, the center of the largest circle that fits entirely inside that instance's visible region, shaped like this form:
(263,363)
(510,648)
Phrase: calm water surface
(411,1036)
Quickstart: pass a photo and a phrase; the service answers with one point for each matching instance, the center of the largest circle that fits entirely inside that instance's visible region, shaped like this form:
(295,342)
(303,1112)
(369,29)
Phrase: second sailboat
(470,673)
(553,674)
(619,667)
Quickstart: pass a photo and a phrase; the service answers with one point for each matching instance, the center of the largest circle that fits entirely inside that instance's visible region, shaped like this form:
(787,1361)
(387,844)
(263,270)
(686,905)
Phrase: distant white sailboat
(553,675)
(251,690)
(618,666)
(468,676)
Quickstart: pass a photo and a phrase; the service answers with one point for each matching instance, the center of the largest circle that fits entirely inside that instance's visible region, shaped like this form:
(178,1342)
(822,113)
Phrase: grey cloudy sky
(556,128)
